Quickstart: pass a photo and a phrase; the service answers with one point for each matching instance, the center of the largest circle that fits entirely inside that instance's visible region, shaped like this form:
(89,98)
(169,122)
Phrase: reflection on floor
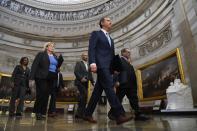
(67,122)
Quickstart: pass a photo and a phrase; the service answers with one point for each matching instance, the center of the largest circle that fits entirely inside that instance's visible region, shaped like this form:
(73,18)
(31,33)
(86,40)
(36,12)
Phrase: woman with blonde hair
(44,72)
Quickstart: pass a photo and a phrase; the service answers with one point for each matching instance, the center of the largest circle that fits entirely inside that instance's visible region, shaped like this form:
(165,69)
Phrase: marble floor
(66,122)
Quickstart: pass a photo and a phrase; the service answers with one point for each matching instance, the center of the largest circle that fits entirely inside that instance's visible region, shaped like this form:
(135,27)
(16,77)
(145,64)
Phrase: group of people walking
(44,72)
(98,59)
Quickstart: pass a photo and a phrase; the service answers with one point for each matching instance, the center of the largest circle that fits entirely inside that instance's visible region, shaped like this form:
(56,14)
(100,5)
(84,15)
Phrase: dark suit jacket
(80,72)
(116,64)
(40,66)
(100,52)
(127,77)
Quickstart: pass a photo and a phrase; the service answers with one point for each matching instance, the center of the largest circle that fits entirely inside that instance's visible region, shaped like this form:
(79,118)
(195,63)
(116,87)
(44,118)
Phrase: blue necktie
(109,40)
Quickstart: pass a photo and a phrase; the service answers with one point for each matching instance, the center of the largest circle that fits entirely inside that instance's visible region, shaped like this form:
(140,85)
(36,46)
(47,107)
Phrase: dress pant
(83,94)
(18,91)
(104,82)
(52,104)
(131,95)
(43,87)
(42,94)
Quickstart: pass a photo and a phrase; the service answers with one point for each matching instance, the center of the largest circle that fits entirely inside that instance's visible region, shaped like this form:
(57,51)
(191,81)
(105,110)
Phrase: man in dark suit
(127,85)
(101,54)
(82,75)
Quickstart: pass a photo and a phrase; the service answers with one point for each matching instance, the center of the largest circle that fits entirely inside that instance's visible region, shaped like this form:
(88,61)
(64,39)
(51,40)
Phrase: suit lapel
(83,65)
(104,36)
(125,60)
(46,57)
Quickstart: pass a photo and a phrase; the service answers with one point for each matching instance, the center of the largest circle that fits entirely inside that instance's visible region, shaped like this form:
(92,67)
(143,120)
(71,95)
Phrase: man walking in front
(101,54)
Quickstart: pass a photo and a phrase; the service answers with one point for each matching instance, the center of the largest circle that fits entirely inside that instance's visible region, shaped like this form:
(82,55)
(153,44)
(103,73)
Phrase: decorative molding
(61,15)
(27,41)
(62,7)
(156,42)
(27,25)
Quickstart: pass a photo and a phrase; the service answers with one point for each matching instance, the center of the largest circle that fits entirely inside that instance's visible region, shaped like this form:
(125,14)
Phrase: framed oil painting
(155,76)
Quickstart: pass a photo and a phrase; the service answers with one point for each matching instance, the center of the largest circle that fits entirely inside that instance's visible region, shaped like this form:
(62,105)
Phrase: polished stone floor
(66,122)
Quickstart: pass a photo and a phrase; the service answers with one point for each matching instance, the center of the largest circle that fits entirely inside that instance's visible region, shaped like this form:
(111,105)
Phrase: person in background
(20,77)
(126,84)
(82,75)
(101,54)
(44,72)
(58,85)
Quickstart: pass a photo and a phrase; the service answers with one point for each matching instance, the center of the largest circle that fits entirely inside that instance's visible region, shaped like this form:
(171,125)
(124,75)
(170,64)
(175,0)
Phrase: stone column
(181,11)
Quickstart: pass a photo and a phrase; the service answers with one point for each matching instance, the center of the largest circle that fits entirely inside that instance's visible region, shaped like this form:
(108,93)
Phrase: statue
(179,96)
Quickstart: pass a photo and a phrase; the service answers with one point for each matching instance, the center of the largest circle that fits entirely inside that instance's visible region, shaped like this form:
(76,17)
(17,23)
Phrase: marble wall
(185,16)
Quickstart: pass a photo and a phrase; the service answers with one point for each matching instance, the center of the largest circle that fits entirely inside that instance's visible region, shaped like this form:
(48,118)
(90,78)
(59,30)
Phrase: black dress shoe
(141,118)
(78,116)
(89,119)
(53,114)
(122,119)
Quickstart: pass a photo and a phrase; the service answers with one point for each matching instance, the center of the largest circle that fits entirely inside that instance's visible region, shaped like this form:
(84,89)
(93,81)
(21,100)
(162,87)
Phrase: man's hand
(65,88)
(93,68)
(84,79)
(116,72)
(117,84)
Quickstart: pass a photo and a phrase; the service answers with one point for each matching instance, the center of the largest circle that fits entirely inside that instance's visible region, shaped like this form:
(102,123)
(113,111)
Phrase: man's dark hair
(22,60)
(101,20)
(124,50)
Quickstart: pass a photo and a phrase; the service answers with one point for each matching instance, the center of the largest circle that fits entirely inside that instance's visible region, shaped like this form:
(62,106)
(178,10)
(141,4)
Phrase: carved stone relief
(147,13)
(60,15)
(43,22)
(156,42)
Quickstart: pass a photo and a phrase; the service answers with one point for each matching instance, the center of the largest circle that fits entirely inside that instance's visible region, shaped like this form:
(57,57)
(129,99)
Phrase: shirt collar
(104,31)
(85,62)
(124,58)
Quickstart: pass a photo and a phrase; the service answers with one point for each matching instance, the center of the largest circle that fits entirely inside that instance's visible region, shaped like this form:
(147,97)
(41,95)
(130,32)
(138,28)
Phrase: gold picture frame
(155,76)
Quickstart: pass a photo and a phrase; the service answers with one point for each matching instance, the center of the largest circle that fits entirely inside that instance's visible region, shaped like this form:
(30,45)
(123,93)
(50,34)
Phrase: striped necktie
(109,40)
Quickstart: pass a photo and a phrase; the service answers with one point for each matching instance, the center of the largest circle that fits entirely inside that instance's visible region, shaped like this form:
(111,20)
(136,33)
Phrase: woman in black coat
(44,72)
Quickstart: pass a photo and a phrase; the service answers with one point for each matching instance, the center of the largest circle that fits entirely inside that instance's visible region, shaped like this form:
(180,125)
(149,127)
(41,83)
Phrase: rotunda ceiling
(46,18)
(64,1)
